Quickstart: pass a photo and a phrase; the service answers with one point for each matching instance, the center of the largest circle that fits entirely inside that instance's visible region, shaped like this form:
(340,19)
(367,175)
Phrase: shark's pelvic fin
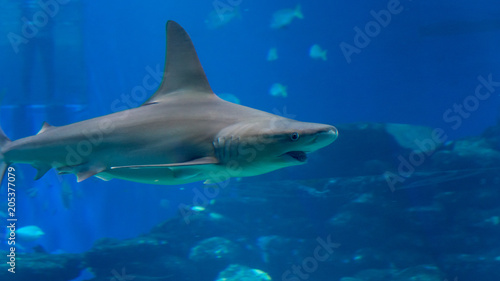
(82,172)
(85,174)
(183,71)
(41,168)
(103,177)
(199,161)
(46,126)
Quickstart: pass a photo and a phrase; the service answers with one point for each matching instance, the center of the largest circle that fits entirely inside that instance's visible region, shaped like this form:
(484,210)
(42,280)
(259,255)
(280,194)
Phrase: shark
(183,133)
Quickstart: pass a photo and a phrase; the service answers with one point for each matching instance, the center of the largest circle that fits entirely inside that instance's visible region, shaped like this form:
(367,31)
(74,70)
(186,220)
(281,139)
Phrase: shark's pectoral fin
(199,161)
(195,162)
(161,173)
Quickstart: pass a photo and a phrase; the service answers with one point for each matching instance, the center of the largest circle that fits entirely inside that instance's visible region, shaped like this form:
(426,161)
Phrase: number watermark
(11,219)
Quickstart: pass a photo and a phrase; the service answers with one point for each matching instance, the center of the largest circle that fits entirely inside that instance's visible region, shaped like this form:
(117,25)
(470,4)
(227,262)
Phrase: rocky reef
(402,203)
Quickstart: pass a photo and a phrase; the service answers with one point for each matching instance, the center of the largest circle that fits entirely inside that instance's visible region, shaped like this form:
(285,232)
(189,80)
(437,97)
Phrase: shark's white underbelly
(168,175)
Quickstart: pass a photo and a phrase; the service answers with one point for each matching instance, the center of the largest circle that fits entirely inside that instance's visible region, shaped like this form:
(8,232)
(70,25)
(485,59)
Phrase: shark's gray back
(178,120)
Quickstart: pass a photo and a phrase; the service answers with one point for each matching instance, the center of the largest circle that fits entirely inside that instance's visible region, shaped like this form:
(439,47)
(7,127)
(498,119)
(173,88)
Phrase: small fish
(216,216)
(229,97)
(278,90)
(198,208)
(217,18)
(29,233)
(272,54)
(316,52)
(284,17)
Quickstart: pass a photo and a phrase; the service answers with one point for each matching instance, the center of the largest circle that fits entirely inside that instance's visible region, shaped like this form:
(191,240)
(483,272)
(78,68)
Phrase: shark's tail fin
(3,165)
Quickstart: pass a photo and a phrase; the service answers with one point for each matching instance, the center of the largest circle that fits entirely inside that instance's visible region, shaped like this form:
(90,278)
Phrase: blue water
(99,51)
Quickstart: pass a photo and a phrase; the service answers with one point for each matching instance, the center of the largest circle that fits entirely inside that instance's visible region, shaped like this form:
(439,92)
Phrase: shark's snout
(326,135)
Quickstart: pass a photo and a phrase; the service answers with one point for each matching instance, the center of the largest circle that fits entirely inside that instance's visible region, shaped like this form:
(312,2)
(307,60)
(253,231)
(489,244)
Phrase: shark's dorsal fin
(46,126)
(183,71)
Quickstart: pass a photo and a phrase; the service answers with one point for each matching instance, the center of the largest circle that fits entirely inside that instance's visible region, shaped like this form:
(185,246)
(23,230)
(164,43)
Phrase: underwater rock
(282,255)
(143,256)
(373,275)
(430,217)
(376,222)
(43,267)
(458,195)
(369,258)
(420,273)
(412,137)
(214,249)
(213,254)
(165,268)
(415,273)
(492,136)
(411,255)
(481,266)
(467,154)
(350,279)
(235,272)
(191,226)
(272,214)
(278,251)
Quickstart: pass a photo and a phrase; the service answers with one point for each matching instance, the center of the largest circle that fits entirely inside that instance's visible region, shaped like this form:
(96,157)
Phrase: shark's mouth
(300,156)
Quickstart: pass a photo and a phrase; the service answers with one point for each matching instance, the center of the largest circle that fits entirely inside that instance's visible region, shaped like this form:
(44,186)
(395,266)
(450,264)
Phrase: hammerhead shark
(183,133)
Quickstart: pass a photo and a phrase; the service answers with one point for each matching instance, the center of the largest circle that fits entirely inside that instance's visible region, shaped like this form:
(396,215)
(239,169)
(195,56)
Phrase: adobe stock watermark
(121,277)
(31,27)
(363,37)
(94,137)
(310,264)
(461,111)
(454,116)
(224,7)
(150,82)
(247,151)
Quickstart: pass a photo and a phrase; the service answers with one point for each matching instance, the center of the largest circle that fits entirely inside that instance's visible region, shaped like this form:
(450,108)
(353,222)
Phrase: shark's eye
(294,136)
